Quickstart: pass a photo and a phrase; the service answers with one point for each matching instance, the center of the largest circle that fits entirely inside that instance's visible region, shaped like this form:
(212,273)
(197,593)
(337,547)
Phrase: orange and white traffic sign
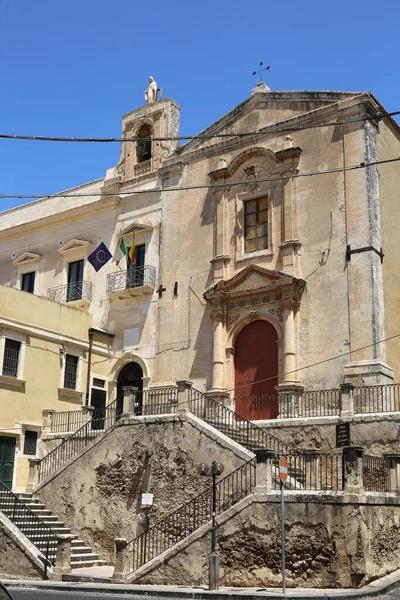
(283,469)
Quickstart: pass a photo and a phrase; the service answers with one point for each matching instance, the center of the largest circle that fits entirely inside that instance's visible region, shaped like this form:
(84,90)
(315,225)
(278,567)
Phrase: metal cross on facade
(160,290)
(261,70)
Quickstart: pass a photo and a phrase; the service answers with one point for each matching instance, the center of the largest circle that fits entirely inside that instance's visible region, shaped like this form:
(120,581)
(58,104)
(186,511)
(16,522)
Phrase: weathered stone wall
(14,563)
(377,434)
(99,495)
(330,542)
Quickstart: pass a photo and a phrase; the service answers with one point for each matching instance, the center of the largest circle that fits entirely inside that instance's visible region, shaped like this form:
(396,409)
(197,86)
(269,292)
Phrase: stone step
(87,563)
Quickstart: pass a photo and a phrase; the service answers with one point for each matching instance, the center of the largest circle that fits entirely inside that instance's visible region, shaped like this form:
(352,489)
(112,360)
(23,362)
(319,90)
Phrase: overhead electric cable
(201,136)
(320,362)
(362,165)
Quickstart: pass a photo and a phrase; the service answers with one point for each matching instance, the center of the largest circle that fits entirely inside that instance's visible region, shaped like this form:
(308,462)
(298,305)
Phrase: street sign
(147,499)
(283,470)
(342,435)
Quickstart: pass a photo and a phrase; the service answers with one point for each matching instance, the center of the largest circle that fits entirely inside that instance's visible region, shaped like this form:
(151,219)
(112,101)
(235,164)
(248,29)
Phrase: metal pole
(283,540)
(214,508)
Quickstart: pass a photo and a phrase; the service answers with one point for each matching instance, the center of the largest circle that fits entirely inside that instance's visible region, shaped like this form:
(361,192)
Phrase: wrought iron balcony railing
(80,290)
(132,278)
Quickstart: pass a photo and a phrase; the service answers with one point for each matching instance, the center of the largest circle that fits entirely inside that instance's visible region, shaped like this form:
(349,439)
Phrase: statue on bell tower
(150,95)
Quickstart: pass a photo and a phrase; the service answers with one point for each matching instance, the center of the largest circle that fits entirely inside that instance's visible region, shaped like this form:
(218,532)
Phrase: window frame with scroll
(256,222)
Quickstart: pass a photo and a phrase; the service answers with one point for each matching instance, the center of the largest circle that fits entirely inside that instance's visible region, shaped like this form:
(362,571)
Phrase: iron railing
(312,471)
(69,447)
(66,421)
(315,403)
(191,515)
(131,278)
(230,423)
(377,398)
(376,474)
(79,290)
(38,532)
(11,357)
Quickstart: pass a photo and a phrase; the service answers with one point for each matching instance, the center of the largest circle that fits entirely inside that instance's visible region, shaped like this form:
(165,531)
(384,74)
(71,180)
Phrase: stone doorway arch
(131,375)
(256,371)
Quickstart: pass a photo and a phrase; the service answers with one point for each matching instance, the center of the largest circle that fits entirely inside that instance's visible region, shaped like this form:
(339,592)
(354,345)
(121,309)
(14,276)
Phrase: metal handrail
(230,423)
(376,473)
(377,398)
(65,421)
(38,532)
(73,444)
(131,278)
(79,290)
(191,515)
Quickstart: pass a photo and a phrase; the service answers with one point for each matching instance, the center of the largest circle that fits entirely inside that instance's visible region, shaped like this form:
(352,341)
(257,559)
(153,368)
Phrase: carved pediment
(73,246)
(136,227)
(26,258)
(253,279)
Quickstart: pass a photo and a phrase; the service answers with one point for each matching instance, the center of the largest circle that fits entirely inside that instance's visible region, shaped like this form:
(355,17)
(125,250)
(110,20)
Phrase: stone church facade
(259,257)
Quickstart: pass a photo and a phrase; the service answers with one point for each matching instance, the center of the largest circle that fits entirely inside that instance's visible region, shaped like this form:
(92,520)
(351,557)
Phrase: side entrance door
(7,457)
(98,400)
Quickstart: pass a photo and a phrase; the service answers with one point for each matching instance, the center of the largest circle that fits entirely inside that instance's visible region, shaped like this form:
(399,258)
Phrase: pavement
(379,587)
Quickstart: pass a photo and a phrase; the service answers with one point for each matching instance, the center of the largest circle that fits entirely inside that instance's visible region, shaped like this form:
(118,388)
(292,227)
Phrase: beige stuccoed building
(45,351)
(258,257)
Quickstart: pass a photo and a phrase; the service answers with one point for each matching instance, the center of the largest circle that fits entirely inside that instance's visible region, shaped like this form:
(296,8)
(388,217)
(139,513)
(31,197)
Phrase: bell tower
(156,119)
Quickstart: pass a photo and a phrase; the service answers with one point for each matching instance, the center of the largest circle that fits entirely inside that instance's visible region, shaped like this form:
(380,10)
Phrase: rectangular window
(71,369)
(30,442)
(12,350)
(28,282)
(75,280)
(256,224)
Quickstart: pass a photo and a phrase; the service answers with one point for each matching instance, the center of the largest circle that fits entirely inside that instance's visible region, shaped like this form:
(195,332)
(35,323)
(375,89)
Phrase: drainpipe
(91,334)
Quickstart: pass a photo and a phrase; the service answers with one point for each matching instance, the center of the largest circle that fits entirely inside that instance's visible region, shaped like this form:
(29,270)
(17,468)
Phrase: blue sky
(73,68)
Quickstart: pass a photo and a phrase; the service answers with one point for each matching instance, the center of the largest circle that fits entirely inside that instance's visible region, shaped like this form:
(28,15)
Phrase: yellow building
(44,356)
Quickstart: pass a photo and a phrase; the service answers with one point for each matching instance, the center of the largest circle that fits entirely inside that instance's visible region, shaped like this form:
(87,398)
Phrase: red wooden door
(256,358)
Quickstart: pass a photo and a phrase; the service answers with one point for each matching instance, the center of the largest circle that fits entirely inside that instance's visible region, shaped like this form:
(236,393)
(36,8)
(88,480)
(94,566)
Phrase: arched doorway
(130,375)
(256,360)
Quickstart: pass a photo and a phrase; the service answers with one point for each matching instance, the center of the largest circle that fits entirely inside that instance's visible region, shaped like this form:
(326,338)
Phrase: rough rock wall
(375,436)
(99,495)
(328,544)
(14,563)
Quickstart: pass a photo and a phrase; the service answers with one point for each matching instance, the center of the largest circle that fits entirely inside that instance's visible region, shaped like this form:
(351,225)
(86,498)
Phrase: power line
(270,130)
(362,165)
(320,362)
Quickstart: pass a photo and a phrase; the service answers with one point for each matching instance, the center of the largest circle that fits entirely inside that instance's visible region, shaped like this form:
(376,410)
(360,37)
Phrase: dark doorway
(256,371)
(75,280)
(130,375)
(135,272)
(98,400)
(143,148)
(7,456)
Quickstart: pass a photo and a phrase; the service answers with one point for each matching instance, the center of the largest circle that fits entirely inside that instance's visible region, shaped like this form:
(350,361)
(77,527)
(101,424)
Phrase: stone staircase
(82,555)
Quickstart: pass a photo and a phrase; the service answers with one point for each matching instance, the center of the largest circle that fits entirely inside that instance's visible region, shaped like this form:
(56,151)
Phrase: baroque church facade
(258,257)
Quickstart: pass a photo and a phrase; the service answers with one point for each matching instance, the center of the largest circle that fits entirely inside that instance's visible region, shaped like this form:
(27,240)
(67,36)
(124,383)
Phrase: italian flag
(121,251)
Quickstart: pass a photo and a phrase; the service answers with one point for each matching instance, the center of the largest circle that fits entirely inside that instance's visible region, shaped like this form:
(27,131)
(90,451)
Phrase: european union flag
(99,257)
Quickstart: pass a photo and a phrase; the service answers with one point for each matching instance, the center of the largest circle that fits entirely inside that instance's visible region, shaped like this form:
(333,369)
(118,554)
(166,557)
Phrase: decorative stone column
(87,414)
(218,360)
(47,414)
(311,468)
(346,399)
(394,472)
(183,396)
(121,568)
(129,400)
(289,388)
(264,470)
(353,470)
(33,480)
(63,556)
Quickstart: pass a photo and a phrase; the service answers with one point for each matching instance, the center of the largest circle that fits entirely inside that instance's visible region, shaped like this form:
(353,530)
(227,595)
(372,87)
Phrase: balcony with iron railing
(79,293)
(136,281)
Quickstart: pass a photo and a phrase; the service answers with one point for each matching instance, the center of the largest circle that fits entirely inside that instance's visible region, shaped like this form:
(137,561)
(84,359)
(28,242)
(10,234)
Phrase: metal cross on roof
(261,70)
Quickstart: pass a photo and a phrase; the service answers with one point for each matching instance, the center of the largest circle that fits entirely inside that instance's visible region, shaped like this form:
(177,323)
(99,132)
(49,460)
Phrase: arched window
(143,148)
